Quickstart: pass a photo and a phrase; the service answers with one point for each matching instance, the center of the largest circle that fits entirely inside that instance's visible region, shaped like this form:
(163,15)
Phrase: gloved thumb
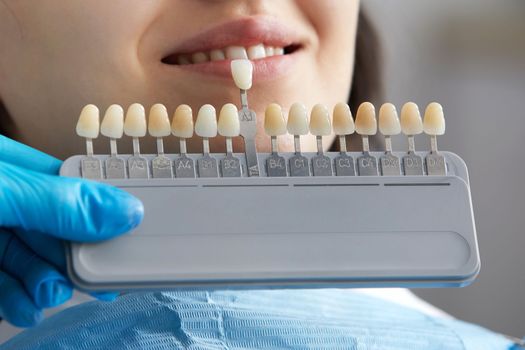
(67,208)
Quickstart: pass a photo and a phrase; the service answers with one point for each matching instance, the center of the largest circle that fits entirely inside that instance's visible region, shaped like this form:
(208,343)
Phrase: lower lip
(268,68)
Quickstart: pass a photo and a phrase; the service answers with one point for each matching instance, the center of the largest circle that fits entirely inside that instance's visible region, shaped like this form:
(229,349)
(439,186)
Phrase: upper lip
(241,32)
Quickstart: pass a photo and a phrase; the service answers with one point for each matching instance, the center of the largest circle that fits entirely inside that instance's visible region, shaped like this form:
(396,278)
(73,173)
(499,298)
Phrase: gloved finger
(68,208)
(43,282)
(17,153)
(53,250)
(15,305)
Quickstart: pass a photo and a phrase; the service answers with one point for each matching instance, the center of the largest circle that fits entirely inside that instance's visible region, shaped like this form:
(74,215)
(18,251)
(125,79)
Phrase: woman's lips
(272,46)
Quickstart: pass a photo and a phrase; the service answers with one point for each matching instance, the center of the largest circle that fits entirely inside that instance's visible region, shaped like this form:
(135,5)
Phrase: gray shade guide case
(286,232)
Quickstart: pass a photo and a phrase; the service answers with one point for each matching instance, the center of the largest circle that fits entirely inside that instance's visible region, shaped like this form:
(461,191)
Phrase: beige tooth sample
(343,123)
(113,123)
(228,125)
(297,120)
(274,124)
(88,125)
(411,123)
(434,119)
(256,51)
(320,121)
(365,121)
(206,123)
(236,53)
(135,122)
(242,72)
(182,123)
(388,120)
(159,122)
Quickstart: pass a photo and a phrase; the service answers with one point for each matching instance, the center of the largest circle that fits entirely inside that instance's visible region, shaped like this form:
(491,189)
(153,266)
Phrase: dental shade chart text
(407,186)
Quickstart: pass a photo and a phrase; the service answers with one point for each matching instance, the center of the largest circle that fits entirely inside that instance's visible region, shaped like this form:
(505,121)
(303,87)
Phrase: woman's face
(59,55)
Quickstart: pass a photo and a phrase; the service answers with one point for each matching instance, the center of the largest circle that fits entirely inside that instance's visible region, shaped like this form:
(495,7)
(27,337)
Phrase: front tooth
(183,60)
(217,55)
(297,120)
(343,121)
(269,50)
(159,122)
(388,120)
(242,71)
(411,123)
(199,57)
(365,121)
(257,51)
(206,123)
(88,124)
(182,124)
(320,121)
(113,123)
(236,53)
(434,120)
(278,51)
(229,125)
(274,124)
(135,122)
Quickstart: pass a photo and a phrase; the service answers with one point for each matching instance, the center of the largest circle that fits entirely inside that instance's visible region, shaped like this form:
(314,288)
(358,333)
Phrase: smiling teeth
(254,52)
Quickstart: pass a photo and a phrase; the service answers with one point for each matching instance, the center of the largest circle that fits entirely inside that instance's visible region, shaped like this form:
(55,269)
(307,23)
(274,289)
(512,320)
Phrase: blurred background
(469,55)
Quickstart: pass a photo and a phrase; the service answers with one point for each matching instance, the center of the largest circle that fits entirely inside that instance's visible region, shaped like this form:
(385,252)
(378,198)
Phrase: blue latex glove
(279,319)
(38,211)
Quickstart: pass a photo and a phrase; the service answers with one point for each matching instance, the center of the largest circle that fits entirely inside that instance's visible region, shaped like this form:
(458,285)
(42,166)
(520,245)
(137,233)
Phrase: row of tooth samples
(114,125)
(366,125)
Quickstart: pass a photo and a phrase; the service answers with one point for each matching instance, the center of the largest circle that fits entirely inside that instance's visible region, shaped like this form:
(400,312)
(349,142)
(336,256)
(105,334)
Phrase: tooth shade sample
(411,123)
(113,123)
(320,121)
(365,121)
(88,124)
(242,71)
(343,123)
(255,52)
(182,124)
(274,124)
(236,53)
(297,120)
(206,123)
(159,122)
(217,55)
(135,122)
(434,120)
(229,125)
(388,120)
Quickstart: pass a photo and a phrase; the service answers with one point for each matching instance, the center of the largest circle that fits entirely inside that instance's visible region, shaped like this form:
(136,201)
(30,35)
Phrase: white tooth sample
(365,121)
(278,51)
(113,123)
(217,55)
(242,72)
(229,125)
(274,123)
(159,122)
(434,119)
(297,120)
(411,123)
(199,57)
(269,50)
(256,51)
(343,123)
(206,123)
(88,124)
(388,120)
(320,121)
(135,122)
(236,53)
(182,123)
(183,60)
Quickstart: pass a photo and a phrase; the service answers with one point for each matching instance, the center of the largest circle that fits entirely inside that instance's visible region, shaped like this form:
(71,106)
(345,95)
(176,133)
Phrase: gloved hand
(38,211)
